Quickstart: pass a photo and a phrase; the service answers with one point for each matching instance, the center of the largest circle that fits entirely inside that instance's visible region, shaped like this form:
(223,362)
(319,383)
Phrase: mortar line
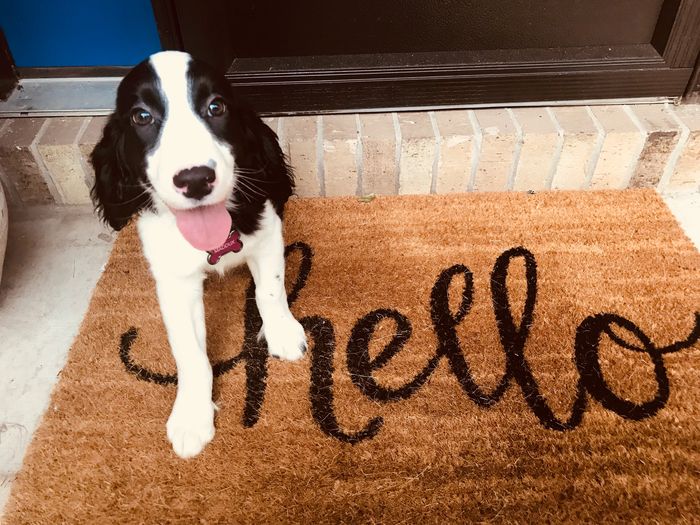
(560,148)
(81,130)
(12,195)
(398,138)
(643,133)
(597,150)
(320,169)
(476,149)
(280,130)
(670,167)
(520,140)
(54,189)
(84,167)
(436,153)
(359,155)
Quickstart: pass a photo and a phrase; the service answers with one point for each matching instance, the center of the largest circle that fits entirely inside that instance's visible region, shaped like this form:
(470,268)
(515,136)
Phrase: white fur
(179,269)
(185,141)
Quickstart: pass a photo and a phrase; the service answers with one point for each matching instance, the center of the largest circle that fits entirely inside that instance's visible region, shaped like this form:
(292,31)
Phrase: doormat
(495,357)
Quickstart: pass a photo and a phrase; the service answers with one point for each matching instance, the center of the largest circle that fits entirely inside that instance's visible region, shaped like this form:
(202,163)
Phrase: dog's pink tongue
(206,227)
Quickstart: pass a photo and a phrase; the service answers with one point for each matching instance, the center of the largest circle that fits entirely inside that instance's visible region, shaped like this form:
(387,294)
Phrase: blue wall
(79,32)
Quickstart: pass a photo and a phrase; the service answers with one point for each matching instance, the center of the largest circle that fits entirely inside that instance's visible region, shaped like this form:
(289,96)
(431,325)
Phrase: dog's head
(180,141)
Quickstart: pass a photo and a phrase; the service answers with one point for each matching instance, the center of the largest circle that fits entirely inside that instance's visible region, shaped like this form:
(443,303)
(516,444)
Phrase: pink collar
(232,243)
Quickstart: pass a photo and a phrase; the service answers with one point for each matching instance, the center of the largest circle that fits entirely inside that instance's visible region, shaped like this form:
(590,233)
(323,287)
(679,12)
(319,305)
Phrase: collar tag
(232,244)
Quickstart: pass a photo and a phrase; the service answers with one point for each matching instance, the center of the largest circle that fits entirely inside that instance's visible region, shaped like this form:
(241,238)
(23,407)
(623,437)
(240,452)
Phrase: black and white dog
(207,180)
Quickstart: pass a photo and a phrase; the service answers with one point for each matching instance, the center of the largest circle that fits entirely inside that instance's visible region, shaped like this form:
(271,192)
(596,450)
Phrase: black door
(370,54)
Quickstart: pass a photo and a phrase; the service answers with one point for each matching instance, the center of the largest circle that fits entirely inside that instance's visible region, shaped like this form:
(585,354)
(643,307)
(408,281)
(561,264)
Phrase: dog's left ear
(117,193)
(262,143)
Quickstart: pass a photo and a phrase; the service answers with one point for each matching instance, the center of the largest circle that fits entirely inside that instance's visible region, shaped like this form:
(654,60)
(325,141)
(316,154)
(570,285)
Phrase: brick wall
(44,161)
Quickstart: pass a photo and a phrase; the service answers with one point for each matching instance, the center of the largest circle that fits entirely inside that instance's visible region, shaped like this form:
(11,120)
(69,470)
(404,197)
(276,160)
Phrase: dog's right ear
(117,193)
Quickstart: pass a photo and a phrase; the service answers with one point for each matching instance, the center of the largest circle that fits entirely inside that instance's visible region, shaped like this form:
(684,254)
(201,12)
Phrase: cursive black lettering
(445,325)
(588,338)
(321,386)
(513,338)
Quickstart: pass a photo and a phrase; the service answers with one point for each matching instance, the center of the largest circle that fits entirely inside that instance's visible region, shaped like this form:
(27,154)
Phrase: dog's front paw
(190,426)
(285,339)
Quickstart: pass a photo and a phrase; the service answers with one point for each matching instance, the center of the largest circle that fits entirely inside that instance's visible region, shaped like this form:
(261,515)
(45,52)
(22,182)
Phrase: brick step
(44,160)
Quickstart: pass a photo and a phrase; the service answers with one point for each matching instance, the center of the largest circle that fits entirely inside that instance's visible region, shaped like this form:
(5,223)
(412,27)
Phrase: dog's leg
(284,335)
(191,423)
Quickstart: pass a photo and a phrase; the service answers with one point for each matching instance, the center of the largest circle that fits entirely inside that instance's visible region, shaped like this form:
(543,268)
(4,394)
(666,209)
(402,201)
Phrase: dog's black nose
(195,183)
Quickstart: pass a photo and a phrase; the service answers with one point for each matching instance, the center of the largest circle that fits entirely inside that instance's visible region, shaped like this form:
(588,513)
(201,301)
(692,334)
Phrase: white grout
(280,130)
(677,151)
(642,142)
(436,156)
(397,131)
(560,147)
(11,193)
(54,189)
(359,155)
(84,166)
(476,148)
(518,149)
(81,131)
(597,150)
(320,169)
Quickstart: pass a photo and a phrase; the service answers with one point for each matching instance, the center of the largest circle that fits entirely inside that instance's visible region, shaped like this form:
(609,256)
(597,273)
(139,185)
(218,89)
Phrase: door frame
(8,72)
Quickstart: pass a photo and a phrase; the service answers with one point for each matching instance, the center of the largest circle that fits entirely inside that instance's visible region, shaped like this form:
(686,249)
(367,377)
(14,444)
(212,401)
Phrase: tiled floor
(54,260)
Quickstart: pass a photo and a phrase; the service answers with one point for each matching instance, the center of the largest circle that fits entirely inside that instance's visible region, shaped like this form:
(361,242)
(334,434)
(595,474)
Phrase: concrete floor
(55,257)
(686,208)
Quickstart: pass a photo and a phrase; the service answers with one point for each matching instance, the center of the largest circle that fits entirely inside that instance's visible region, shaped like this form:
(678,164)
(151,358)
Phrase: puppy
(207,182)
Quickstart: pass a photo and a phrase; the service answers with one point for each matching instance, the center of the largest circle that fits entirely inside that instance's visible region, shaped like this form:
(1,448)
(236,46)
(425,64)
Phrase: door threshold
(52,97)
(95,96)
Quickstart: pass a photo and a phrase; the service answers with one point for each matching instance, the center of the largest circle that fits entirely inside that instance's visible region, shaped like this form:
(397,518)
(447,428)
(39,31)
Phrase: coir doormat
(502,357)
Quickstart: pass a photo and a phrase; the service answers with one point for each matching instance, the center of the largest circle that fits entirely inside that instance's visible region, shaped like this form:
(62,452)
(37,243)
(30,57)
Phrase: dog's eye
(216,108)
(141,117)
